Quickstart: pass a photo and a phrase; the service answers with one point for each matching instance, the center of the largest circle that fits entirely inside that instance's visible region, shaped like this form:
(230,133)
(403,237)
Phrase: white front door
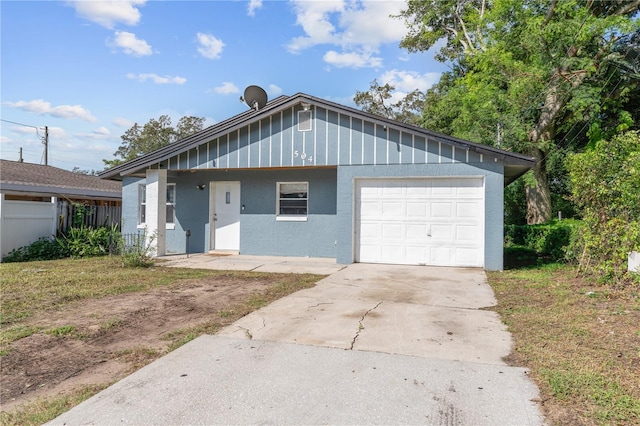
(224,211)
(422,221)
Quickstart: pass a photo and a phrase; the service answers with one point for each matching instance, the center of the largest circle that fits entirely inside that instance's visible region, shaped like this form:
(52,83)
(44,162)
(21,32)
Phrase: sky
(89,70)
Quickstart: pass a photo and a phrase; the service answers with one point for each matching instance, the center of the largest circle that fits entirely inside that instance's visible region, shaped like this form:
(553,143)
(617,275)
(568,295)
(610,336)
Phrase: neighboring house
(303,176)
(37,201)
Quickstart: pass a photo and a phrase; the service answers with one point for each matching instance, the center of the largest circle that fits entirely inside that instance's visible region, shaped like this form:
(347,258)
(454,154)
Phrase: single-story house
(303,176)
(37,201)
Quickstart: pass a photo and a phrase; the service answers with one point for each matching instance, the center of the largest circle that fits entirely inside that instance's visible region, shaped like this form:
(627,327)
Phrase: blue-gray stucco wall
(260,233)
(494,182)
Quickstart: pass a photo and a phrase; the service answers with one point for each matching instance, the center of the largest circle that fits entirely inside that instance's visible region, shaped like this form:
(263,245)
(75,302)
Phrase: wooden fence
(73,214)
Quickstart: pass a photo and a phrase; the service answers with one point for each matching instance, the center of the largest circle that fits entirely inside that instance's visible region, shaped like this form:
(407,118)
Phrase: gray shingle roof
(36,178)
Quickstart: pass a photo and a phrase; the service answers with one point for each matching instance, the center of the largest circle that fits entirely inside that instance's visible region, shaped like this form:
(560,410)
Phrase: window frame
(291,217)
(142,204)
(172,224)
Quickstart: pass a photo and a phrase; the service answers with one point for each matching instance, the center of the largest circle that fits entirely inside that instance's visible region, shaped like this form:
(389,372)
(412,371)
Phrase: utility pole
(20,160)
(46,145)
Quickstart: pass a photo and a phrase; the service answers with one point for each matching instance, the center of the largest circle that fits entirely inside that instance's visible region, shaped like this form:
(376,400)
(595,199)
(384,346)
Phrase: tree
(532,74)
(606,182)
(376,101)
(155,134)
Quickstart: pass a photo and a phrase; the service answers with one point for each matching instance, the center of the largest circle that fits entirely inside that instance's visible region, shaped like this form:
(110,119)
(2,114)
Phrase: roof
(39,179)
(515,164)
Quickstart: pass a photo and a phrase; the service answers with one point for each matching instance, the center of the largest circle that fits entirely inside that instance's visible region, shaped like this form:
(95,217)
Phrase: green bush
(137,254)
(89,242)
(606,186)
(42,249)
(552,239)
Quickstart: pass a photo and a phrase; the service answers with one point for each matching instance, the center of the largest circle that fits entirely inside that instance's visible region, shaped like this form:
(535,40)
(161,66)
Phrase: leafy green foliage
(88,242)
(155,134)
(550,239)
(377,100)
(42,249)
(137,252)
(531,76)
(606,185)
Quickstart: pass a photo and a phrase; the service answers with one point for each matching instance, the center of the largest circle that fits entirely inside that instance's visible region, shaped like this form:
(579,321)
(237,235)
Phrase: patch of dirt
(113,336)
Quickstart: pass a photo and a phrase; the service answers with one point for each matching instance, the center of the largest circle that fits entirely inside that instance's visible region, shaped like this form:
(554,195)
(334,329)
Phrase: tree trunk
(538,194)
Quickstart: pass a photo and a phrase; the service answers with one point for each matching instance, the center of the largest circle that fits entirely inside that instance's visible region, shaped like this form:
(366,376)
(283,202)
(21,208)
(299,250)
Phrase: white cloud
(358,28)
(227,88)
(274,90)
(57,134)
(351,59)
(108,13)
(156,78)
(408,81)
(122,122)
(130,44)
(253,5)
(102,131)
(42,107)
(313,17)
(210,46)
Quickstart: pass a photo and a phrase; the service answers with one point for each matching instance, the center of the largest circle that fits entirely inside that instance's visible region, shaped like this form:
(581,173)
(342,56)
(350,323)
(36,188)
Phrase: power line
(21,124)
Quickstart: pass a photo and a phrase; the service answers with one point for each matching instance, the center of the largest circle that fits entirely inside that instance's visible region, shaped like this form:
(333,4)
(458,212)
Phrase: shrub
(606,185)
(552,239)
(136,251)
(42,249)
(89,242)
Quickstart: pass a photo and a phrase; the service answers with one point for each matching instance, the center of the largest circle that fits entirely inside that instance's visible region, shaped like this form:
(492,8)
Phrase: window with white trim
(142,204)
(293,199)
(171,203)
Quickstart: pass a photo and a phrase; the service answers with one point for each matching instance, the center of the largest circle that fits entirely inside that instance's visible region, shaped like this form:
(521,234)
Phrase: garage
(420,221)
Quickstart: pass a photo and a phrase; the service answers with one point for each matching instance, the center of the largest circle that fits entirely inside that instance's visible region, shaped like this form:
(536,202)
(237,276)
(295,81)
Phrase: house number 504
(303,156)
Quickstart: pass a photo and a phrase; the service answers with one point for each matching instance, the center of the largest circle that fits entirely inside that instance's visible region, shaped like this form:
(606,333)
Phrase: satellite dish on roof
(255,97)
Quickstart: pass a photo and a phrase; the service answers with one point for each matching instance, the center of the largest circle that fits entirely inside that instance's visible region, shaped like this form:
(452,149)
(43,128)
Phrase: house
(303,176)
(37,201)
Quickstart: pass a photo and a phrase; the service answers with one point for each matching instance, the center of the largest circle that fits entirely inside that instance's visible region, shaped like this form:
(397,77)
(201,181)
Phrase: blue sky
(90,69)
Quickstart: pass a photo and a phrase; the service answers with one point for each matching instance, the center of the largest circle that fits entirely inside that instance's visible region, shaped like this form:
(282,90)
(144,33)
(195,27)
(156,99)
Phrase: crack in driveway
(360,326)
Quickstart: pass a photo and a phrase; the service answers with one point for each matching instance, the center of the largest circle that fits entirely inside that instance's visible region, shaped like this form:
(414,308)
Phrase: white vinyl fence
(23,222)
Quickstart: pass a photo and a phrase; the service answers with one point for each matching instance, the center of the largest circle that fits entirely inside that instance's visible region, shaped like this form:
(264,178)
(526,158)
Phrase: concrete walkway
(277,264)
(370,344)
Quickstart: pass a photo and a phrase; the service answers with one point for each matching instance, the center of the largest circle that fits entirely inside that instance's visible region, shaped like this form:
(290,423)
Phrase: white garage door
(426,221)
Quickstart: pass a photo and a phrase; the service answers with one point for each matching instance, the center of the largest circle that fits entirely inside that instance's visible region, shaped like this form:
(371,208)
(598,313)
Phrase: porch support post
(157,210)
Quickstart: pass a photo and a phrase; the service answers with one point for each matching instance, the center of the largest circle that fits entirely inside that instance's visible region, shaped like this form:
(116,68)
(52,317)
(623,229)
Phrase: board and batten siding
(335,139)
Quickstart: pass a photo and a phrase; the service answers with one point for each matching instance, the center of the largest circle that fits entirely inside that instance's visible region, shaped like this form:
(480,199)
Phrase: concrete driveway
(370,344)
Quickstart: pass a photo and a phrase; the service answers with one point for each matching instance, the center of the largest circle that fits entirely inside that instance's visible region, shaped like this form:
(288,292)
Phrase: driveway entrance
(412,310)
(370,344)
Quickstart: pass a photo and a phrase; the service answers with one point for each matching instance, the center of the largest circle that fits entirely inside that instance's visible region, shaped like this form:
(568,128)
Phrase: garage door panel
(467,233)
(467,256)
(393,232)
(468,210)
(370,231)
(417,210)
(442,232)
(433,221)
(391,253)
(443,209)
(392,210)
(369,209)
(416,232)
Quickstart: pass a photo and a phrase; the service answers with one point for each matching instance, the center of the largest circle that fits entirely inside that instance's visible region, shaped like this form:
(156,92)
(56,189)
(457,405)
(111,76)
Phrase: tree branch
(627,8)
(550,12)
